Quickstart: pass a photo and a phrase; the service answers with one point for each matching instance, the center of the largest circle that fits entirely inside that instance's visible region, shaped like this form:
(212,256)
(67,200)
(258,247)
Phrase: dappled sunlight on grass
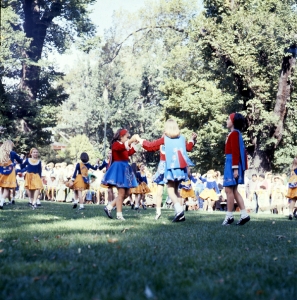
(58,252)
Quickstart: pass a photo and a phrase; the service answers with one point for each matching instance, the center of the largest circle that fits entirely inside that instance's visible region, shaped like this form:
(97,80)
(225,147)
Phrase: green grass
(56,252)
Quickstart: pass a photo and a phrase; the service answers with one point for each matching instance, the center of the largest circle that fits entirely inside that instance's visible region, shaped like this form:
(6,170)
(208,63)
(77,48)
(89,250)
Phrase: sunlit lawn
(56,252)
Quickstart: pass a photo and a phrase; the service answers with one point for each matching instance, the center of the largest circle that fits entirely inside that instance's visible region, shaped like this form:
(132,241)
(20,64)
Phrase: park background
(73,72)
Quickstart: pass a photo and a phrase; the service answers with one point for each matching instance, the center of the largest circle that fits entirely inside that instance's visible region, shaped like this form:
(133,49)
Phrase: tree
(48,25)
(77,145)
(239,49)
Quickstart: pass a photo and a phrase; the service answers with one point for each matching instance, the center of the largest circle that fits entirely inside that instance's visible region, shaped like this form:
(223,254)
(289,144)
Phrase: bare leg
(160,189)
(291,208)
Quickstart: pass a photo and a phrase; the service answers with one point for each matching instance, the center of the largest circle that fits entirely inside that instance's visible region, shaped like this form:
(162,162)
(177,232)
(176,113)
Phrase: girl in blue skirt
(176,163)
(120,173)
(235,165)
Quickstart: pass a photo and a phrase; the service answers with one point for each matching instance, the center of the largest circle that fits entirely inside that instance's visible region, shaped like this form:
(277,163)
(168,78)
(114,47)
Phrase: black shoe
(108,212)
(132,206)
(136,208)
(29,204)
(295,216)
(228,221)
(242,221)
(180,217)
(81,208)
(144,207)
(74,205)
(290,217)
(1,207)
(38,204)
(13,202)
(34,206)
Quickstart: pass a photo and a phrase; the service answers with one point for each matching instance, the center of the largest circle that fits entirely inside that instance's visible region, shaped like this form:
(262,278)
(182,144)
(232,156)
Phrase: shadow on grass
(57,253)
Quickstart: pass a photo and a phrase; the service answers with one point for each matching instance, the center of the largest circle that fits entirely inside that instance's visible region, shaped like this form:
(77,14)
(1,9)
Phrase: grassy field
(56,252)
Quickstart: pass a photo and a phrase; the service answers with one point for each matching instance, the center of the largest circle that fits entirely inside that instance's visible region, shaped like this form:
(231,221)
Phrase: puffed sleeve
(154,145)
(234,141)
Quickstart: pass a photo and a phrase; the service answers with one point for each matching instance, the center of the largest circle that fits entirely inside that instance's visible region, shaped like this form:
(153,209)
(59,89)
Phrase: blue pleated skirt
(120,174)
(176,175)
(158,178)
(229,179)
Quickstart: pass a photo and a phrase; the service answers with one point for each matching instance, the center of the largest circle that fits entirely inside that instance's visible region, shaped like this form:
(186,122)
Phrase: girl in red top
(235,165)
(120,173)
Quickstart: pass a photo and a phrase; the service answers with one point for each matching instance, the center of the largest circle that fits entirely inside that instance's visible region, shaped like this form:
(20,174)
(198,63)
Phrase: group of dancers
(172,170)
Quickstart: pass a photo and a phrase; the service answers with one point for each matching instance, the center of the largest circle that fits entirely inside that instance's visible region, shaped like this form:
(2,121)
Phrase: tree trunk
(35,27)
(283,94)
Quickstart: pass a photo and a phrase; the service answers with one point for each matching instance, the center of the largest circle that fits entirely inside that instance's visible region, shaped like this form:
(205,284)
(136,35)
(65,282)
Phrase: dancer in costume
(7,170)
(80,179)
(235,165)
(106,164)
(211,192)
(142,187)
(292,190)
(186,190)
(33,182)
(177,161)
(120,173)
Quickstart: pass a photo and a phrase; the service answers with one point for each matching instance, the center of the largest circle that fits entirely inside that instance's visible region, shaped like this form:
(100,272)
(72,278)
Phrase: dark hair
(239,122)
(84,157)
(134,168)
(116,137)
(262,176)
(254,175)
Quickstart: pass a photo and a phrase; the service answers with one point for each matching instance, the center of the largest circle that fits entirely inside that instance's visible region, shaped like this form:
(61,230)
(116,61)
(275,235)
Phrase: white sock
(229,214)
(109,207)
(158,210)
(81,206)
(30,200)
(119,214)
(38,201)
(178,208)
(136,206)
(243,213)
(75,201)
(1,201)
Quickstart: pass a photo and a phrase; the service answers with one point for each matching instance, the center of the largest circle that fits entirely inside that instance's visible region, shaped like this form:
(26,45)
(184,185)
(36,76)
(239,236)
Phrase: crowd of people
(114,182)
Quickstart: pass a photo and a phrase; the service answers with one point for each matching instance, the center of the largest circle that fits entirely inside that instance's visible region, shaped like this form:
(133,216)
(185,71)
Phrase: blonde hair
(5,149)
(32,149)
(171,129)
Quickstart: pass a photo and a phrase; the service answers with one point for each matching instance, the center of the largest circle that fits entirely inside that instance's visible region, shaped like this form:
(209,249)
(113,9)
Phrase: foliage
(231,61)
(77,145)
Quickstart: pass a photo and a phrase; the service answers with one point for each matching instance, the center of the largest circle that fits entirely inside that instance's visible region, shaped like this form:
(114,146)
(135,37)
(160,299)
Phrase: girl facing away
(235,165)
(177,161)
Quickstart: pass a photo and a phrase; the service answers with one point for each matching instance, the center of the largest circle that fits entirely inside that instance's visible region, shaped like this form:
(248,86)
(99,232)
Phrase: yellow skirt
(209,193)
(292,193)
(142,188)
(33,182)
(79,184)
(104,186)
(8,181)
(187,193)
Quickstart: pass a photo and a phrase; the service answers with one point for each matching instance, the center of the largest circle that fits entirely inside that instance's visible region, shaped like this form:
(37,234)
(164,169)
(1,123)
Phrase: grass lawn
(56,252)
